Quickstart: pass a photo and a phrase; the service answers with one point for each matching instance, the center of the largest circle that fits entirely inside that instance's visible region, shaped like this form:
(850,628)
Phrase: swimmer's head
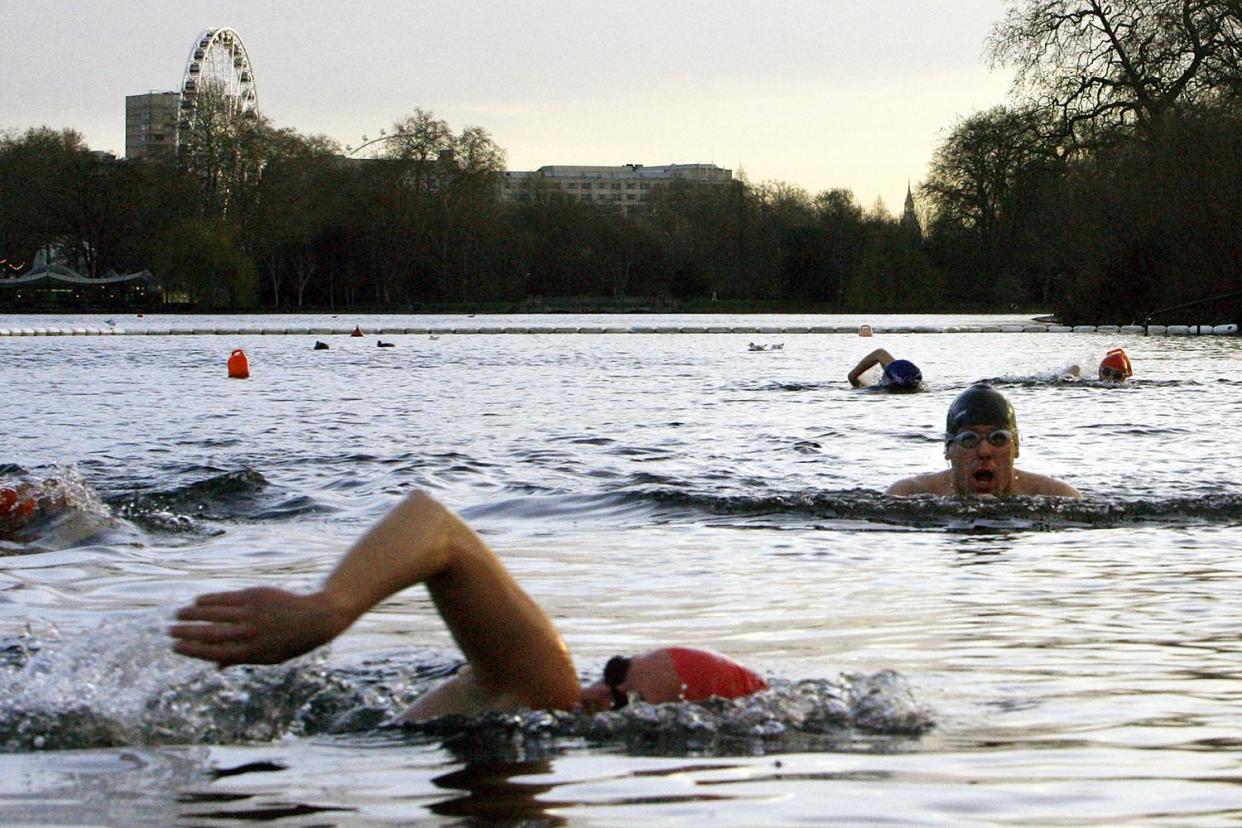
(901,375)
(864,330)
(981,442)
(978,406)
(20,505)
(16,506)
(1115,367)
(669,674)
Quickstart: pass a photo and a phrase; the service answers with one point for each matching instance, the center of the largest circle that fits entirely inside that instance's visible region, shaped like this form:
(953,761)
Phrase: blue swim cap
(901,373)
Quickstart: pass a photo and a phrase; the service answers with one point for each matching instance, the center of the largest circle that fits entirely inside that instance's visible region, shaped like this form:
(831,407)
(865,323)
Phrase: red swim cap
(1117,360)
(705,674)
(15,509)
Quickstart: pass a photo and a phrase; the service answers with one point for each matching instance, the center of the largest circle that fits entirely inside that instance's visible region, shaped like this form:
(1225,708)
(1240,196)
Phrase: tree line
(248,216)
(1111,185)
(1108,187)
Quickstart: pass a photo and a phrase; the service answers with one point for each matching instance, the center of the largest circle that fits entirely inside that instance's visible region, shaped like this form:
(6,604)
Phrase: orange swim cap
(705,674)
(1117,362)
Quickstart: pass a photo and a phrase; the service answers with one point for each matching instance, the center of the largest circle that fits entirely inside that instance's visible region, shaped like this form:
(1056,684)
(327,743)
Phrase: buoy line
(1136,330)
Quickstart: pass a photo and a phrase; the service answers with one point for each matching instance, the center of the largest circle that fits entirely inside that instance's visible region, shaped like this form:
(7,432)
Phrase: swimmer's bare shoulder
(933,483)
(1030,483)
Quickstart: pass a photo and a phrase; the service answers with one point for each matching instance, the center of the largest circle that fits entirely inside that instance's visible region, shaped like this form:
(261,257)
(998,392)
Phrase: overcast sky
(817,93)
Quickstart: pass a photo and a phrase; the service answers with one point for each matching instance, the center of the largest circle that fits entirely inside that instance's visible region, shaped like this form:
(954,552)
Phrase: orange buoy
(357,331)
(239,366)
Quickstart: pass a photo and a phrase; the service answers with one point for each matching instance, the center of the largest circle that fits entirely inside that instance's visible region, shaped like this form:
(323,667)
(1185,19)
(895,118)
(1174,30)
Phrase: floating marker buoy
(320,346)
(1225,330)
(239,366)
(357,331)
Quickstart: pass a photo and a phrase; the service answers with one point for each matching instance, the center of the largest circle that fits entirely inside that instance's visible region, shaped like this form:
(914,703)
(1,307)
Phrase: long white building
(624,188)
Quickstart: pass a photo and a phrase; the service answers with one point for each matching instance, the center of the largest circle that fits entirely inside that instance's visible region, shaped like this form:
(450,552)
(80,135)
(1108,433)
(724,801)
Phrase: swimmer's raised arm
(516,655)
(879,357)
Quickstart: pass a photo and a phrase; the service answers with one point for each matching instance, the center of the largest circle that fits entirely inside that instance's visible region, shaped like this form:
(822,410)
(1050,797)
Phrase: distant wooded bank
(1108,190)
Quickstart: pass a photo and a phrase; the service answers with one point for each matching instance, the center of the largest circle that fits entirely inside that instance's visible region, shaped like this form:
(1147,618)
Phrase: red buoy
(239,366)
(357,331)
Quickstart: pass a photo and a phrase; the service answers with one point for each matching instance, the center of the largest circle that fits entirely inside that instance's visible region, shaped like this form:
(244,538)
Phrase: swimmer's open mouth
(984,477)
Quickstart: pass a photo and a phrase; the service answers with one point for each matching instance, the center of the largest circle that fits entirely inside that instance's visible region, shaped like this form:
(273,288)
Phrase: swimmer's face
(1110,374)
(984,469)
(653,676)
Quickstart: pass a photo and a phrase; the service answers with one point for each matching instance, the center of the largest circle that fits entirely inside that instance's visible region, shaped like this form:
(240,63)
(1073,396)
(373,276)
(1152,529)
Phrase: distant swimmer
(382,344)
(899,374)
(1115,367)
(320,345)
(515,656)
(981,443)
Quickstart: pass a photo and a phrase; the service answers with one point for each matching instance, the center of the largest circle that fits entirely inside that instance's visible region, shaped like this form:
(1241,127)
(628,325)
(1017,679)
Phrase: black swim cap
(981,405)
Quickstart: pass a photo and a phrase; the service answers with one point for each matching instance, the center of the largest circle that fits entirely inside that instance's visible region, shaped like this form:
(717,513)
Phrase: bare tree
(225,148)
(1118,65)
(980,162)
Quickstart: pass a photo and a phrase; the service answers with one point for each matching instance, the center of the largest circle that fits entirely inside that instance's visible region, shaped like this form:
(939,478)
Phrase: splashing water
(122,685)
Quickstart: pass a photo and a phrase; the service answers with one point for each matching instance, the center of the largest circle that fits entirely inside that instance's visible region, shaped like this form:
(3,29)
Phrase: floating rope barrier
(1137,330)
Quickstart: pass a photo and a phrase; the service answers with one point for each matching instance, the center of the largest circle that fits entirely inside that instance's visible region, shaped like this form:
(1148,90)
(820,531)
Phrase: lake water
(932,661)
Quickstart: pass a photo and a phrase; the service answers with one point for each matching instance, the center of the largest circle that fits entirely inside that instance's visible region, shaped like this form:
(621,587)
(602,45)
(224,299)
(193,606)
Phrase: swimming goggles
(969,439)
(615,671)
(1112,374)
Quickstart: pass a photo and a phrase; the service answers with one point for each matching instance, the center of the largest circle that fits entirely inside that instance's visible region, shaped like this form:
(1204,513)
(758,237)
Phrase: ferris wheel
(218,65)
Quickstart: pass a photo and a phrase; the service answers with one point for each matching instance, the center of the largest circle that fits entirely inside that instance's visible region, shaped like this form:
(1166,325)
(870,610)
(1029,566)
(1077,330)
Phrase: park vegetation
(1108,187)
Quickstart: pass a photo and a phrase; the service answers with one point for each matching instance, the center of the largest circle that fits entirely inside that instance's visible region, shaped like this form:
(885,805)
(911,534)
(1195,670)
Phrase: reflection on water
(1034,660)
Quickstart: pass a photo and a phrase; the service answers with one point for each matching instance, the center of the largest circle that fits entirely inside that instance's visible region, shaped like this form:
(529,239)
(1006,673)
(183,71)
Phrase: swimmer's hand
(260,625)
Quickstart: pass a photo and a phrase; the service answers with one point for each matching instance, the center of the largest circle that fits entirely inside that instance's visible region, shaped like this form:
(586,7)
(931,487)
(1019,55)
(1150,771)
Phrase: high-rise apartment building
(151,123)
(624,188)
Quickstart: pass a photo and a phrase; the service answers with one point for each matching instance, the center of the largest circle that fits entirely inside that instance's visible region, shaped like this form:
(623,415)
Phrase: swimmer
(864,329)
(515,656)
(981,443)
(23,502)
(899,374)
(1115,367)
